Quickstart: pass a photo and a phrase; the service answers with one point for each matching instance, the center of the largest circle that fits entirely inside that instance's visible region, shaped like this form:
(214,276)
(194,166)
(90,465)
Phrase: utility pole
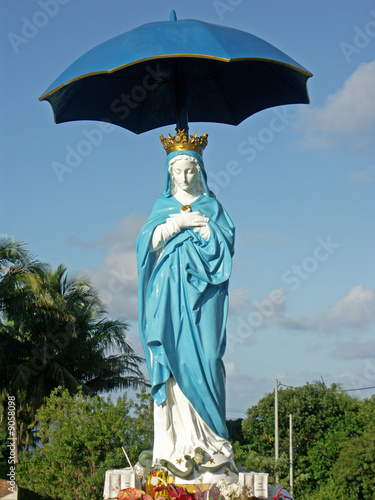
(291,453)
(276,431)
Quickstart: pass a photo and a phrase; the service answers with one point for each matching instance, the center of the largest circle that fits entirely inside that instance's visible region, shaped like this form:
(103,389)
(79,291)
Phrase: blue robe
(183,303)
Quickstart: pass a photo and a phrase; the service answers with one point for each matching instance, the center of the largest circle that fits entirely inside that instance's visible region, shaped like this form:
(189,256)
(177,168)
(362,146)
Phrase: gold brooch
(186,208)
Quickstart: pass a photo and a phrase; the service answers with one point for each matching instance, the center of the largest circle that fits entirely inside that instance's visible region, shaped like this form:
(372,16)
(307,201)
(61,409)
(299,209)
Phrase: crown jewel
(182,142)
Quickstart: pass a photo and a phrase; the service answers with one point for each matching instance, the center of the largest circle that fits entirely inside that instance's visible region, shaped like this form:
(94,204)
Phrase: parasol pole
(180,92)
(181,108)
(180,100)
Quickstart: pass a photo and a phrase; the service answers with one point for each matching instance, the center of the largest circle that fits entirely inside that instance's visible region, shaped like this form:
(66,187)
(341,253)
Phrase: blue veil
(183,302)
(199,159)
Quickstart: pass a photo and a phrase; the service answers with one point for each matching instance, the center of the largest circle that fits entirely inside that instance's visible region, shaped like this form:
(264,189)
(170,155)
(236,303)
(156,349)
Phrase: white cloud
(124,233)
(352,108)
(238,299)
(248,317)
(355,349)
(117,281)
(116,278)
(359,376)
(312,141)
(348,116)
(355,311)
(366,176)
(244,390)
(230,368)
(270,305)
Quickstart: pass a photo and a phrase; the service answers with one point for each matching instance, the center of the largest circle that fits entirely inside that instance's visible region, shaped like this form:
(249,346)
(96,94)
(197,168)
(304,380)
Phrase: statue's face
(185,175)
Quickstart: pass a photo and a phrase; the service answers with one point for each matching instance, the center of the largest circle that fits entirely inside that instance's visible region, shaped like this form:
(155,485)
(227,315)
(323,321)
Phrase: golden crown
(182,142)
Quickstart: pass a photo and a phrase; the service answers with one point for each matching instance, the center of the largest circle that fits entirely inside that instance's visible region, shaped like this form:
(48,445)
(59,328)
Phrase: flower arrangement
(231,491)
(179,493)
(219,491)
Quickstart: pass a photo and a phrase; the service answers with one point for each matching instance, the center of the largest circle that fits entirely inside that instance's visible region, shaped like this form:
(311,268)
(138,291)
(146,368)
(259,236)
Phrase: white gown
(178,429)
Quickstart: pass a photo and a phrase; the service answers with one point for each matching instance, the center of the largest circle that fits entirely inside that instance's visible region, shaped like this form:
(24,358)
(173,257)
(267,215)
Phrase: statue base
(200,469)
(203,469)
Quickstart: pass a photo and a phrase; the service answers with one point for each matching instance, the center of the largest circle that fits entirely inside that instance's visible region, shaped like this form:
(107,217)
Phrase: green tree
(21,290)
(235,431)
(253,461)
(352,475)
(81,437)
(21,279)
(316,410)
(83,348)
(143,425)
(344,460)
(55,332)
(354,470)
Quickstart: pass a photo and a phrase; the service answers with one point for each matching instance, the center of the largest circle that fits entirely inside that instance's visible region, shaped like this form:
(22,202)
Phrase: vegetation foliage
(55,332)
(80,437)
(333,442)
(58,350)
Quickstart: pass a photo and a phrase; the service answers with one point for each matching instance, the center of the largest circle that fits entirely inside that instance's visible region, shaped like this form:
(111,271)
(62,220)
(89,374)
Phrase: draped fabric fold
(183,302)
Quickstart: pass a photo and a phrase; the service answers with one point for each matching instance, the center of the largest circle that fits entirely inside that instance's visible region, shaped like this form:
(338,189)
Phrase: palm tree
(88,349)
(54,332)
(21,277)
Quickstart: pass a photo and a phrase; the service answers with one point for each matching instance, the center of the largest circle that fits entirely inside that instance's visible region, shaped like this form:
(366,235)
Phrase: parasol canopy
(172,72)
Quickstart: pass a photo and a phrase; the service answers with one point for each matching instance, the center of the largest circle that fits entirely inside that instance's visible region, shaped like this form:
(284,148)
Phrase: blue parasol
(172,72)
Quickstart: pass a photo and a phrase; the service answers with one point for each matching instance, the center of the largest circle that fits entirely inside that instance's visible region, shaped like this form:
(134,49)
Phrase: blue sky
(302,293)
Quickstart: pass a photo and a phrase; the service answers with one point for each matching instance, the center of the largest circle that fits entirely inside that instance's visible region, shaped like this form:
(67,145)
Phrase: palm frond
(55,332)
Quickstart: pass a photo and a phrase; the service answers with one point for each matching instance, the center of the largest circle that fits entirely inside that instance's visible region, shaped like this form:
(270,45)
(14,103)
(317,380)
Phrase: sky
(302,291)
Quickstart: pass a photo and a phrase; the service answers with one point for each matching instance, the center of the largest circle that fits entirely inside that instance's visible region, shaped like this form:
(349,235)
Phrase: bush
(81,437)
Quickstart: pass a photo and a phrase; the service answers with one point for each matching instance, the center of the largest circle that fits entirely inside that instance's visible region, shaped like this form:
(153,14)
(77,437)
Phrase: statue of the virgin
(184,256)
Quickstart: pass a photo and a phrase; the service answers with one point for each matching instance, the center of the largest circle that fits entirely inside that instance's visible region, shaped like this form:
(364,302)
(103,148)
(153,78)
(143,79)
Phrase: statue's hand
(190,220)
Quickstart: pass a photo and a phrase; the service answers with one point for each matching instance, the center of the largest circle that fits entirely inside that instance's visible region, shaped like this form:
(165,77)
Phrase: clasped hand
(188,220)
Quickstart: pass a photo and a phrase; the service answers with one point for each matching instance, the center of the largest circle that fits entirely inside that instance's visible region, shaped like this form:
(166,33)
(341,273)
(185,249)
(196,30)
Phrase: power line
(230,410)
(336,390)
(359,389)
